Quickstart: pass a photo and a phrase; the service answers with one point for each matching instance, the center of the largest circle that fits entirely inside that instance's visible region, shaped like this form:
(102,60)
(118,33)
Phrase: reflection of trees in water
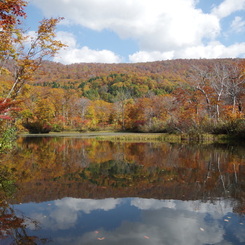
(115,173)
(166,170)
(14,228)
(13,225)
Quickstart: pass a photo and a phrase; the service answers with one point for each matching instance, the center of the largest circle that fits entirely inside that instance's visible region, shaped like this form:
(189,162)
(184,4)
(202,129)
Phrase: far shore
(132,136)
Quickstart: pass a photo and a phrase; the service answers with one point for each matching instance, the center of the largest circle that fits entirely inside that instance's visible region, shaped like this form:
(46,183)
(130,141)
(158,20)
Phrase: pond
(71,190)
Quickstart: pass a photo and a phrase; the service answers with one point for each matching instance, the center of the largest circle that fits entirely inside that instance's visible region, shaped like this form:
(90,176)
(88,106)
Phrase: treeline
(181,96)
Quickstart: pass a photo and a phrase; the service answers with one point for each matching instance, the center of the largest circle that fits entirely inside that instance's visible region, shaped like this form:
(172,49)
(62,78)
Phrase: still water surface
(86,191)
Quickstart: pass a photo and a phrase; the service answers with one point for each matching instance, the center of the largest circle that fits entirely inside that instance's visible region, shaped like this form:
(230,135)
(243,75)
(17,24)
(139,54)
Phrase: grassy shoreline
(137,137)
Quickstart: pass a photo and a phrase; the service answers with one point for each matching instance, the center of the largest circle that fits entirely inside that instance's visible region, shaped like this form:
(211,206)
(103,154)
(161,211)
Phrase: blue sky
(128,31)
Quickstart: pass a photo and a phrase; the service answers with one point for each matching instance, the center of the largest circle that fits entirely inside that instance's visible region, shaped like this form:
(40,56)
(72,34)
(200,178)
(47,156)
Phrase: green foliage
(137,85)
(7,138)
(233,127)
(91,94)
(57,127)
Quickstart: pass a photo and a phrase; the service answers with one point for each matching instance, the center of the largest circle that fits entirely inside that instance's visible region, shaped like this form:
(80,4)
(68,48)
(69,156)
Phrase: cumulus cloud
(75,54)
(156,25)
(212,50)
(228,7)
(163,29)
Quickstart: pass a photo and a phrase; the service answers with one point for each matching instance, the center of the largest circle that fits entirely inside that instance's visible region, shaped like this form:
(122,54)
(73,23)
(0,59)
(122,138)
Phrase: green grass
(138,137)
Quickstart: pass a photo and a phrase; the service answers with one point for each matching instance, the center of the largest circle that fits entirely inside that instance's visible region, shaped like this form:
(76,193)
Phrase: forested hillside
(187,96)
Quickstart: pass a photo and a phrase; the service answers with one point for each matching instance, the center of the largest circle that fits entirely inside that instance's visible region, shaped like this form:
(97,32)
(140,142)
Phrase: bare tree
(82,105)
(120,105)
(199,80)
(234,88)
(218,79)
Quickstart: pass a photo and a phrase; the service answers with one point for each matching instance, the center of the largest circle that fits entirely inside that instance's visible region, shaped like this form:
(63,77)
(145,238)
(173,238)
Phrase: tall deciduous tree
(120,105)
(11,13)
(31,50)
(25,51)
(234,88)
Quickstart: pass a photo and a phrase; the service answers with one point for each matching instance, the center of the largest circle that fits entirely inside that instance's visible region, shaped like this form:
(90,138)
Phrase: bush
(7,138)
(37,127)
(57,128)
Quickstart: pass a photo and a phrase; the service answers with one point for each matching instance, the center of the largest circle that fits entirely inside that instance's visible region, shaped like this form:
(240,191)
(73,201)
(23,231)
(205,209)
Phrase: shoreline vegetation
(116,136)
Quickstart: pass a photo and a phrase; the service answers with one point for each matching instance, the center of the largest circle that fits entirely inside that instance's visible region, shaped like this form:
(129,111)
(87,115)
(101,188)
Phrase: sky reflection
(137,221)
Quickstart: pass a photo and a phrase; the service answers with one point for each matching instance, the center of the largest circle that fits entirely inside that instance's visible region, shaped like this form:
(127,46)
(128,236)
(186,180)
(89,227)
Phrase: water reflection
(14,226)
(79,191)
(138,221)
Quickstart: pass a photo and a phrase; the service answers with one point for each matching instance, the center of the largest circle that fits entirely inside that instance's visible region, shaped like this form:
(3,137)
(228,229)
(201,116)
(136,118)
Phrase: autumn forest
(178,96)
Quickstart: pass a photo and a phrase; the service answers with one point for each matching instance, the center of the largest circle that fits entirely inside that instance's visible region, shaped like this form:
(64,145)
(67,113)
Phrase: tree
(6,136)
(82,106)
(11,13)
(121,100)
(199,80)
(23,51)
(218,80)
(28,58)
(234,88)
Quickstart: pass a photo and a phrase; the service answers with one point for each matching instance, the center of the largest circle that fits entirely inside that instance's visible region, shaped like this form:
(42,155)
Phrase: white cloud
(163,29)
(74,54)
(157,25)
(228,7)
(213,50)
(86,55)
(144,56)
(238,24)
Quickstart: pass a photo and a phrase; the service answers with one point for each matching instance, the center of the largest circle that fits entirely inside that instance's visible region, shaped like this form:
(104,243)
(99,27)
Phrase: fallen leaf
(101,238)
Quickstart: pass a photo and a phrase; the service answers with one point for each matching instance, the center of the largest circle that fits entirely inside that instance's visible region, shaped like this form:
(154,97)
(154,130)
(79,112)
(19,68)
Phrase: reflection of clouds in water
(220,207)
(167,222)
(145,204)
(157,229)
(240,233)
(183,227)
(87,205)
(66,211)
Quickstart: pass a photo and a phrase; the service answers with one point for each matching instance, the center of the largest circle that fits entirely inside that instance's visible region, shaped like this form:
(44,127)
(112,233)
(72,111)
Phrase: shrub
(37,127)
(7,138)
